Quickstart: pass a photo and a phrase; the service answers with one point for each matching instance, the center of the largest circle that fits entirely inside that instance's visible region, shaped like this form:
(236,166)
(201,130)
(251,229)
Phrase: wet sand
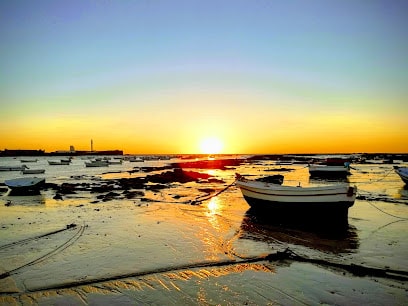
(165,251)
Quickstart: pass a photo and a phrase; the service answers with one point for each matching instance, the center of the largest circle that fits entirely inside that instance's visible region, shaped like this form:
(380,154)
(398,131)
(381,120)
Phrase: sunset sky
(257,76)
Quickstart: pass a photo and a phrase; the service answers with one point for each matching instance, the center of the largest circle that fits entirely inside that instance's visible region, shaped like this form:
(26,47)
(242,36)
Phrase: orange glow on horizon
(311,133)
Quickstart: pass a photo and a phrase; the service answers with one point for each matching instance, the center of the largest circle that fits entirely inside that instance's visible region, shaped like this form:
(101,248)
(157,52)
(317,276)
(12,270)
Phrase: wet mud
(139,240)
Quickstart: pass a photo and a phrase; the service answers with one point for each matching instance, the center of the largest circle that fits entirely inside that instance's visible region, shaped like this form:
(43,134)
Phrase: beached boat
(66,160)
(320,202)
(33,171)
(25,184)
(134,159)
(333,167)
(13,168)
(328,170)
(115,162)
(58,162)
(402,172)
(97,163)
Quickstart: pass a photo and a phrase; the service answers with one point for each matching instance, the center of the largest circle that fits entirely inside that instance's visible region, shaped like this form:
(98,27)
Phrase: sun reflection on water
(213,206)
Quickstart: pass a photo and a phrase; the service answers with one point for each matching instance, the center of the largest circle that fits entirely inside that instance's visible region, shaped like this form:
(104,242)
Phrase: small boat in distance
(25,185)
(97,163)
(28,160)
(58,162)
(402,172)
(135,159)
(13,168)
(115,162)
(321,203)
(66,160)
(327,170)
(333,167)
(33,171)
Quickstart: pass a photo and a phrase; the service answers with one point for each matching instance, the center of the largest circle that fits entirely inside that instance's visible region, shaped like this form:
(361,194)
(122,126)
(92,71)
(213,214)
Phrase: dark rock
(67,188)
(58,197)
(132,194)
(221,164)
(3,189)
(206,190)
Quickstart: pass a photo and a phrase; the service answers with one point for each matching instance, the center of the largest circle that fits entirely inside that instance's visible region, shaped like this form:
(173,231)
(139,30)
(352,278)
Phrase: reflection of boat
(402,172)
(25,184)
(97,163)
(58,162)
(13,168)
(321,203)
(33,171)
(262,228)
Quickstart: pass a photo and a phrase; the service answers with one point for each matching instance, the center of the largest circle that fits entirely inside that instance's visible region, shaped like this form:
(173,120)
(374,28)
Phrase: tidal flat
(93,238)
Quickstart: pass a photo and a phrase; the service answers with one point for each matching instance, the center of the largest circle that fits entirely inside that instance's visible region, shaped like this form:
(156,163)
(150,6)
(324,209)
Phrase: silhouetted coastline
(13,153)
(386,158)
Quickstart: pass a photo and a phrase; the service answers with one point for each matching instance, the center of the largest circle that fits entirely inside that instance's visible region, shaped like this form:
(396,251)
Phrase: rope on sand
(198,200)
(69,226)
(357,270)
(60,248)
(373,181)
(386,212)
(287,254)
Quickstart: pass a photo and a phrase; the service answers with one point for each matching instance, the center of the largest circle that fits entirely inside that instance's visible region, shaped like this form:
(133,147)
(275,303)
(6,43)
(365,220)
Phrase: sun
(211,145)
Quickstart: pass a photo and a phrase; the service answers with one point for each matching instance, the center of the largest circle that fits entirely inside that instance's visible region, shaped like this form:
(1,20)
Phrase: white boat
(58,162)
(328,170)
(33,171)
(134,159)
(97,163)
(115,162)
(13,168)
(402,172)
(320,202)
(332,166)
(25,184)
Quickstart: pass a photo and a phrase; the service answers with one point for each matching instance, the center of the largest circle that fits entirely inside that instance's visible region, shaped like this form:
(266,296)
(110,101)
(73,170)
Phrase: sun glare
(211,146)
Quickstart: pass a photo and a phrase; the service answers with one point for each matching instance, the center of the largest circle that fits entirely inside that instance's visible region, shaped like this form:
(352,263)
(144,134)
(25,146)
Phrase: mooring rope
(287,254)
(374,181)
(386,212)
(60,248)
(69,226)
(198,200)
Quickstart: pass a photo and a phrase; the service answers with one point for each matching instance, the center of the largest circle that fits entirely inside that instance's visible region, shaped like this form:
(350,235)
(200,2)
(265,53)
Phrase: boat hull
(25,186)
(58,163)
(18,168)
(96,164)
(403,173)
(33,171)
(301,211)
(320,204)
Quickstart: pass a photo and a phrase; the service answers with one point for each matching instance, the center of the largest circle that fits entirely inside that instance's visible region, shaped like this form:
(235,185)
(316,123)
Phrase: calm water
(164,251)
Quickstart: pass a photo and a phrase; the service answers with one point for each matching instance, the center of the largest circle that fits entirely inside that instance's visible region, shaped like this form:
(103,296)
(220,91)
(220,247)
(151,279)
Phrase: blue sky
(104,60)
